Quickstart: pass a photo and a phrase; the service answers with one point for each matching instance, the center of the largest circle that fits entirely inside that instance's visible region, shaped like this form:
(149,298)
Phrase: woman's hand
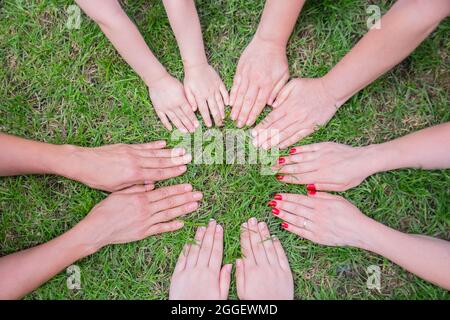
(118,166)
(169,100)
(205,91)
(199,274)
(261,73)
(302,105)
(136,213)
(263,273)
(328,165)
(322,218)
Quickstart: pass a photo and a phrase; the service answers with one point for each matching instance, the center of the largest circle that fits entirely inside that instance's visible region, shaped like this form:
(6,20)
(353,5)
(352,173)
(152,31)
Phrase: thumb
(224,281)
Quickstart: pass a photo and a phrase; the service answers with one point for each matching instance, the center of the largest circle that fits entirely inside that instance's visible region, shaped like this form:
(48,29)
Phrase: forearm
(21,156)
(428,258)
(125,37)
(185,24)
(24,271)
(403,28)
(278,20)
(424,149)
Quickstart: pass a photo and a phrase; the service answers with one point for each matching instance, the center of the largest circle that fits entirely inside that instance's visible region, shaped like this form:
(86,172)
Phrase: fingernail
(193,206)
(229,268)
(311,188)
(179,224)
(201,229)
(279,177)
(188,187)
(252,221)
(284,225)
(272,203)
(198,195)
(187,157)
(292,151)
(218,228)
(255,143)
(182,168)
(275,211)
(239,124)
(238,262)
(281,160)
(244,225)
(179,151)
(211,222)
(253,133)
(278,197)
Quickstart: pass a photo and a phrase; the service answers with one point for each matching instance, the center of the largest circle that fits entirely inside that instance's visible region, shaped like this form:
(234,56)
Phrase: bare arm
(403,28)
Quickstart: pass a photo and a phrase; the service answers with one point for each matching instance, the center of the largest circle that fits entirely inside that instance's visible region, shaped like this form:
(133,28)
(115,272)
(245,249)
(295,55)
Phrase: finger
(215,260)
(177,122)
(165,192)
(283,94)
(302,232)
(191,99)
(267,243)
(173,213)
(292,219)
(282,258)
(150,145)
(235,88)
(137,189)
(295,138)
(215,112)
(162,116)
(160,153)
(149,163)
(236,110)
(247,105)
(299,199)
(284,207)
(203,107)
(165,227)
(175,201)
(287,128)
(189,113)
(187,123)
(246,247)
(195,247)
(224,281)
(256,242)
(240,278)
(307,148)
(220,104)
(163,174)
(325,195)
(182,258)
(298,158)
(258,107)
(332,187)
(276,90)
(224,93)
(208,241)
(299,168)
(265,124)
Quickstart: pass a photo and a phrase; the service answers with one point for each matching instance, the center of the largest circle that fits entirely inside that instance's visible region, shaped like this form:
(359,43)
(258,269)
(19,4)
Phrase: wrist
(61,162)
(199,61)
(269,39)
(152,77)
(79,239)
(335,89)
(383,157)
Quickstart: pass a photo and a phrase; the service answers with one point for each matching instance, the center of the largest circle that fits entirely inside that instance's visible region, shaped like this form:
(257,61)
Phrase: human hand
(327,165)
(168,98)
(263,273)
(322,218)
(261,73)
(117,166)
(198,274)
(136,213)
(302,105)
(205,90)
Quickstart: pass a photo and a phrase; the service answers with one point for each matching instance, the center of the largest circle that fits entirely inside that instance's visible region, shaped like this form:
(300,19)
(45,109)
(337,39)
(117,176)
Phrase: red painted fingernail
(278,197)
(281,160)
(272,203)
(275,211)
(292,151)
(311,188)
(279,177)
(284,225)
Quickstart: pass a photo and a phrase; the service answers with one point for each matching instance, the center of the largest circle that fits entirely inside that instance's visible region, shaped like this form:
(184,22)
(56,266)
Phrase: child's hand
(199,274)
(263,273)
(169,100)
(261,73)
(302,105)
(205,90)
(329,166)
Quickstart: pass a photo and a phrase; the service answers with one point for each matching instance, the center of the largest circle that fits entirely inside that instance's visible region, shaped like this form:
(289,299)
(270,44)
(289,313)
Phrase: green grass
(70,86)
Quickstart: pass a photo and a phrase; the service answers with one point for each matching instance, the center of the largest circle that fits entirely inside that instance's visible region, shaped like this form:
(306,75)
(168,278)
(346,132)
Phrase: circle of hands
(131,171)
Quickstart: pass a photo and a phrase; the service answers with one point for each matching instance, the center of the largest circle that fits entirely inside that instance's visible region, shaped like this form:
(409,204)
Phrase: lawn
(70,86)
